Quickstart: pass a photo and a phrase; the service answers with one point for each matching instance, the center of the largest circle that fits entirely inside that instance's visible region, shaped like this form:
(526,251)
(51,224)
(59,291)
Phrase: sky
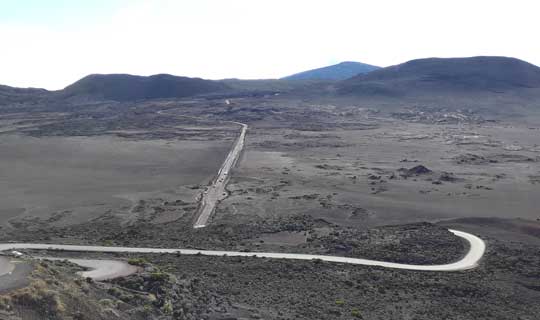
(52,43)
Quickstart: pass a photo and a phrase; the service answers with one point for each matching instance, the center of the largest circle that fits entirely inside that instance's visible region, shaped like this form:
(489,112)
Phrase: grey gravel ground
(314,178)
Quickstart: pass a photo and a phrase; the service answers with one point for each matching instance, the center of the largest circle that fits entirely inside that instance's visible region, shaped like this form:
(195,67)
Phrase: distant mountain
(16,95)
(125,87)
(340,71)
(490,74)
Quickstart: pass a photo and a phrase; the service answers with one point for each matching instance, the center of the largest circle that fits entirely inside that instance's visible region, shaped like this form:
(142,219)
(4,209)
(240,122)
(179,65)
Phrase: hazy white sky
(52,43)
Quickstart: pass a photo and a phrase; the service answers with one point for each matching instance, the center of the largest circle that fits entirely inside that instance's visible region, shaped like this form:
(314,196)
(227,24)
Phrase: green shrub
(340,302)
(39,296)
(148,309)
(159,276)
(167,307)
(138,261)
(108,303)
(356,313)
(120,294)
(151,297)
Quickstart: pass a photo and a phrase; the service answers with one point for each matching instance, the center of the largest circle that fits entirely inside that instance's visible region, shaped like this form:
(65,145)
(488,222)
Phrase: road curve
(99,269)
(469,261)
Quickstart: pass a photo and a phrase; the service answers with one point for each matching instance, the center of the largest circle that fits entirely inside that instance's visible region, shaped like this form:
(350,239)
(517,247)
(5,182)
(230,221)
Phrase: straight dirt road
(216,191)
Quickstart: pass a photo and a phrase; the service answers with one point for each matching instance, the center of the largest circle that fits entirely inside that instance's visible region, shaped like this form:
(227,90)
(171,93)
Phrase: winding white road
(109,269)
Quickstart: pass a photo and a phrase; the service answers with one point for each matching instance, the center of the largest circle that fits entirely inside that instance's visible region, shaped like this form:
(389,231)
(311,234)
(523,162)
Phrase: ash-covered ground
(320,178)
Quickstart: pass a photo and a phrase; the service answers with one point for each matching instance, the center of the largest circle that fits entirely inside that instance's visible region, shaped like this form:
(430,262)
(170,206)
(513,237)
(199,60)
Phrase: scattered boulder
(448,177)
(414,171)
(470,158)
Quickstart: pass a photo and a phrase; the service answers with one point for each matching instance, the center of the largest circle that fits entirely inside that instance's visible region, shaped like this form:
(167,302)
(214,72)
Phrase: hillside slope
(124,87)
(340,71)
(10,95)
(488,74)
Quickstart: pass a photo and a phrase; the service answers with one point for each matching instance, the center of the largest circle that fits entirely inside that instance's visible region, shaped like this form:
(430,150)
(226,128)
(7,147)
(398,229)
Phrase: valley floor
(313,178)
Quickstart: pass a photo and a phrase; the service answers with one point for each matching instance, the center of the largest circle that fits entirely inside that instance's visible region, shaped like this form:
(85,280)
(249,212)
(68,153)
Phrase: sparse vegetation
(108,243)
(159,276)
(141,262)
(356,313)
(340,302)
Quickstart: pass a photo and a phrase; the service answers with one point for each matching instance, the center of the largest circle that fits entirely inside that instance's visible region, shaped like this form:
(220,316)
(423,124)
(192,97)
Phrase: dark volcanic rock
(471,158)
(414,171)
(448,177)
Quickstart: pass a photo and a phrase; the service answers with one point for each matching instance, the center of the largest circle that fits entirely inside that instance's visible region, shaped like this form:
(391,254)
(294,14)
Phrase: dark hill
(495,74)
(10,95)
(340,71)
(124,87)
